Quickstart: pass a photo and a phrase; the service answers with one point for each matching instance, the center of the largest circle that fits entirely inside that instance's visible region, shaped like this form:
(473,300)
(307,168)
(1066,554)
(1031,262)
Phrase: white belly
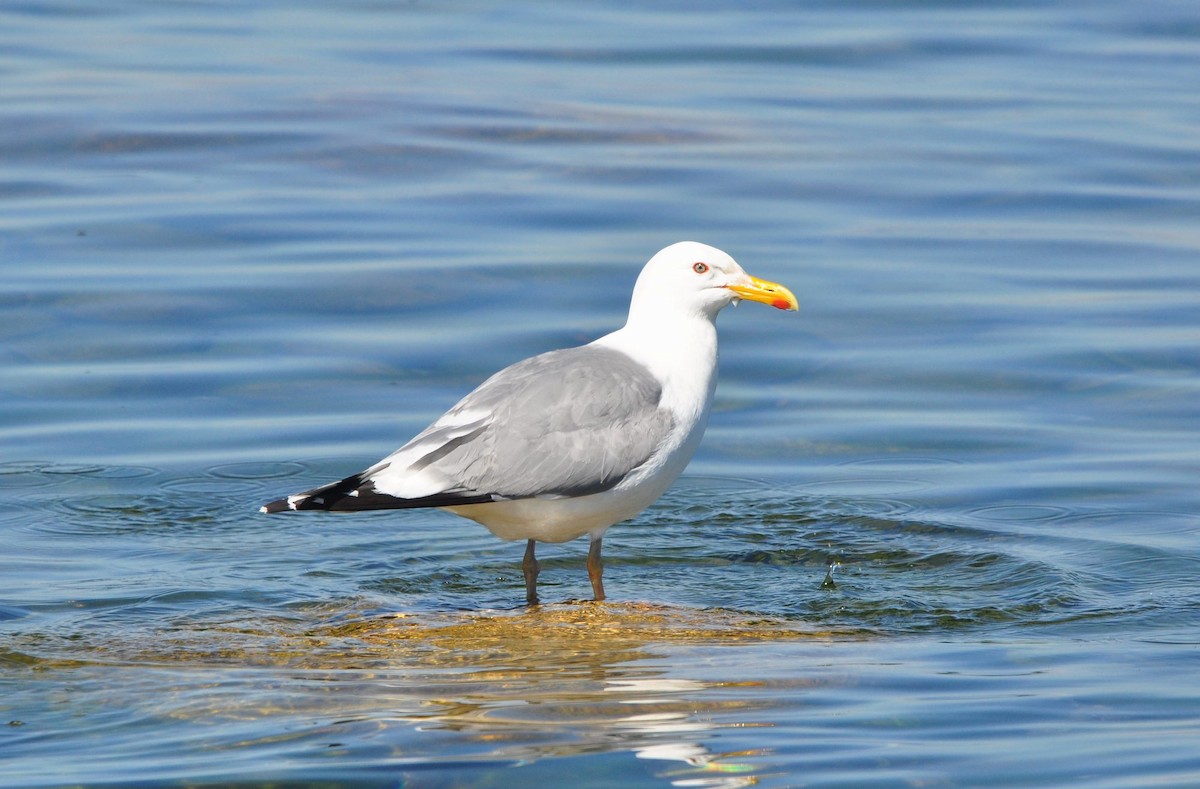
(557,520)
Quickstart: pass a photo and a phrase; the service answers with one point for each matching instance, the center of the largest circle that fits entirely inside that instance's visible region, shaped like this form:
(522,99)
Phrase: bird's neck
(680,350)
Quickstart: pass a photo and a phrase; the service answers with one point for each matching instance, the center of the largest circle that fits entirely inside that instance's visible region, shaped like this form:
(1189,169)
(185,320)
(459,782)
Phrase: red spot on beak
(780,304)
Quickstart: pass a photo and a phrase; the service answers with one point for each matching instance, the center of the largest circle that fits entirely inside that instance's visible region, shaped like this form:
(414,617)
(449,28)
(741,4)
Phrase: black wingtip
(279,505)
(325,497)
(351,495)
(355,494)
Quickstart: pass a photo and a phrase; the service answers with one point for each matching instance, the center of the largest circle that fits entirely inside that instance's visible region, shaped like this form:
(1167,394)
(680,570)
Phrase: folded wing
(565,423)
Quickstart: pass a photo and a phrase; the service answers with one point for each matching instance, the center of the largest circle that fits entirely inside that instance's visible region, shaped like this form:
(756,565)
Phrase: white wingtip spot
(262,509)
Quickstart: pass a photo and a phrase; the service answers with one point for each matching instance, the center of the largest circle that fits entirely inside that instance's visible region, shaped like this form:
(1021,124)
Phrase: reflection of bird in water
(572,441)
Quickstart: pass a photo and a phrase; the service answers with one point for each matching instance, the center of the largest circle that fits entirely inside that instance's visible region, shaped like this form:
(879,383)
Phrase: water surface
(942,530)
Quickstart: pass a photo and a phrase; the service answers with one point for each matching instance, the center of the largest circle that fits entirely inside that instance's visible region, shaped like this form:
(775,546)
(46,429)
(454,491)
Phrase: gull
(572,441)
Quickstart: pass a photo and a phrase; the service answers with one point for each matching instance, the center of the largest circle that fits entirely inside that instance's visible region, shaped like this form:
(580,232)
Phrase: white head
(700,281)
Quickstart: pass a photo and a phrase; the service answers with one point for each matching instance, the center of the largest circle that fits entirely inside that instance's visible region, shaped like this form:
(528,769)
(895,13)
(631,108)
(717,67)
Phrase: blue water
(944,528)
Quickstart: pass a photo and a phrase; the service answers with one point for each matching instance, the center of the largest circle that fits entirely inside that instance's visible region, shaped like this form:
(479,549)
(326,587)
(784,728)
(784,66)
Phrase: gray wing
(565,423)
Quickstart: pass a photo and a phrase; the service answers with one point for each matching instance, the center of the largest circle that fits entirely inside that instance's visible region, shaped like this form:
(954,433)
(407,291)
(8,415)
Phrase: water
(245,249)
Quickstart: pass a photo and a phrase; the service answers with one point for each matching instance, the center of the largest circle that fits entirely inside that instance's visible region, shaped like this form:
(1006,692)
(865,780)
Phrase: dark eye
(699,268)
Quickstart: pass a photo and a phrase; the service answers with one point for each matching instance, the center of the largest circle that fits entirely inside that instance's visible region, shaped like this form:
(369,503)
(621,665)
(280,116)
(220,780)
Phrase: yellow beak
(771,293)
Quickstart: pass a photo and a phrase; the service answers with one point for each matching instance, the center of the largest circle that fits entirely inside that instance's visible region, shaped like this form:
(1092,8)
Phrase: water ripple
(127,513)
(258,470)
(34,474)
(1020,513)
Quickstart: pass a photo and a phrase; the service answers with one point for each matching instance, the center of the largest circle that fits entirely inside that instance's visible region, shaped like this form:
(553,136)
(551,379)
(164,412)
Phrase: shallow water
(942,530)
